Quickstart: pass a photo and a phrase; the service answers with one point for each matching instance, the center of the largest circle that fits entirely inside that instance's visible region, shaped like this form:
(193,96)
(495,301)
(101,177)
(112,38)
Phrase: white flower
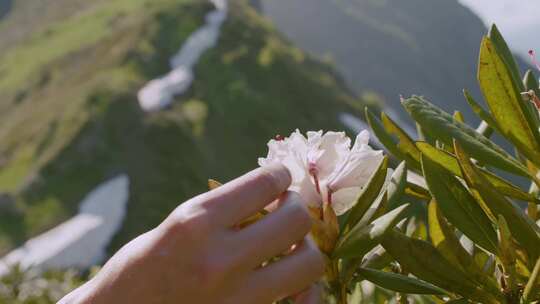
(324,167)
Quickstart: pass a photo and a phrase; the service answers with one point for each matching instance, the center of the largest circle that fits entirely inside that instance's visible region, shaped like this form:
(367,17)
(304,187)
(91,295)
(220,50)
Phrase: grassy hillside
(391,47)
(69,117)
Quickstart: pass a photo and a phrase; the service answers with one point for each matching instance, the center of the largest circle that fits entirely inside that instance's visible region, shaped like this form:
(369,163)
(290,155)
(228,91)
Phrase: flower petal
(334,147)
(344,199)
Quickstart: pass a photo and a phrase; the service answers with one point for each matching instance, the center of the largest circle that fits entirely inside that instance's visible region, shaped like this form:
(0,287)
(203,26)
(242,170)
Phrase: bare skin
(197,256)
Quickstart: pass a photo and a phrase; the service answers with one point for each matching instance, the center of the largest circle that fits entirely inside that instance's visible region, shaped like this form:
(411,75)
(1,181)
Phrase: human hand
(198,256)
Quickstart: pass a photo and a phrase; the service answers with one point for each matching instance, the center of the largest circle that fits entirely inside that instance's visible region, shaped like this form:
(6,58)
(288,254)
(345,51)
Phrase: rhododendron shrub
(346,186)
(479,239)
(475,236)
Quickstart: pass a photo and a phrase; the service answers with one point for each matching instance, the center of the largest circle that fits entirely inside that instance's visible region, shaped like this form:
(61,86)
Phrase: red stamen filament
(316,180)
(329,198)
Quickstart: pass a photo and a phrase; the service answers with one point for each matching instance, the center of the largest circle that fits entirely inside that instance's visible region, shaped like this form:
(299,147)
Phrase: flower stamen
(313,171)
(533,58)
(329,196)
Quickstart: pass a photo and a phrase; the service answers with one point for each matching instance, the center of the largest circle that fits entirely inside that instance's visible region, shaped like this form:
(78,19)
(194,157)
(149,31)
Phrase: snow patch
(82,240)
(159,93)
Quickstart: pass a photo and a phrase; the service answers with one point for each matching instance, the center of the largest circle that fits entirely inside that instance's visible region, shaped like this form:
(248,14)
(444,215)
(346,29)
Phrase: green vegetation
(74,121)
(390,47)
(476,243)
(35,287)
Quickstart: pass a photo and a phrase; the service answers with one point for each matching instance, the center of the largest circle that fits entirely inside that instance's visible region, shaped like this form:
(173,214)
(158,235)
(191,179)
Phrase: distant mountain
(5,6)
(69,117)
(391,47)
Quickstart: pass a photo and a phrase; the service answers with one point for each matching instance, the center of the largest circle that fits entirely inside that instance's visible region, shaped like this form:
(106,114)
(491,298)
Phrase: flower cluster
(324,167)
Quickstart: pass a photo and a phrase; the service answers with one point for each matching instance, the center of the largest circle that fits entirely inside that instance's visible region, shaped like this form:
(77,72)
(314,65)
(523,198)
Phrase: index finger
(246,195)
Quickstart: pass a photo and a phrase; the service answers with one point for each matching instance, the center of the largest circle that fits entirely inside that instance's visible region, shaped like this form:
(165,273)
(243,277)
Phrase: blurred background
(112,112)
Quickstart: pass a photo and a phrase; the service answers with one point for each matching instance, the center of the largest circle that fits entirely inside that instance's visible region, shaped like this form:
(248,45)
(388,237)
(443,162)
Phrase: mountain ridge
(391,47)
(78,121)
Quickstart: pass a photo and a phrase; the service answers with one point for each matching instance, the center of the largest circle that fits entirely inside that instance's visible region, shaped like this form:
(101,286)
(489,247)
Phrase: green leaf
(361,239)
(450,163)
(405,143)
(459,206)
(458,116)
(390,142)
(531,82)
(377,258)
(507,254)
(459,301)
(506,55)
(521,227)
(443,237)
(512,115)
(368,195)
(399,283)
(483,114)
(445,240)
(445,128)
(396,187)
(533,285)
(504,51)
(425,262)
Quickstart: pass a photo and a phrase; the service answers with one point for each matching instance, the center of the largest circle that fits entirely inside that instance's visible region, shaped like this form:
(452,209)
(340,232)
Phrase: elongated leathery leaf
(390,142)
(513,116)
(397,185)
(479,110)
(459,206)
(406,143)
(377,258)
(399,282)
(531,83)
(361,239)
(507,254)
(459,301)
(425,262)
(368,195)
(504,52)
(533,285)
(443,238)
(442,126)
(520,226)
(450,163)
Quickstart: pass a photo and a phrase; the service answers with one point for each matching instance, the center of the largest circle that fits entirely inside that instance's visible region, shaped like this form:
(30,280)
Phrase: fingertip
(278,174)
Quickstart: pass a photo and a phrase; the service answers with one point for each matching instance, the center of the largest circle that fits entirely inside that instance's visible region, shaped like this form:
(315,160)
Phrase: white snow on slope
(82,240)
(159,93)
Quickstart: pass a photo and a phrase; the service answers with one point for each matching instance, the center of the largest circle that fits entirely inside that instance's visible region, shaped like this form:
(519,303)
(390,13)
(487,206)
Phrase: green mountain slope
(391,47)
(69,117)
